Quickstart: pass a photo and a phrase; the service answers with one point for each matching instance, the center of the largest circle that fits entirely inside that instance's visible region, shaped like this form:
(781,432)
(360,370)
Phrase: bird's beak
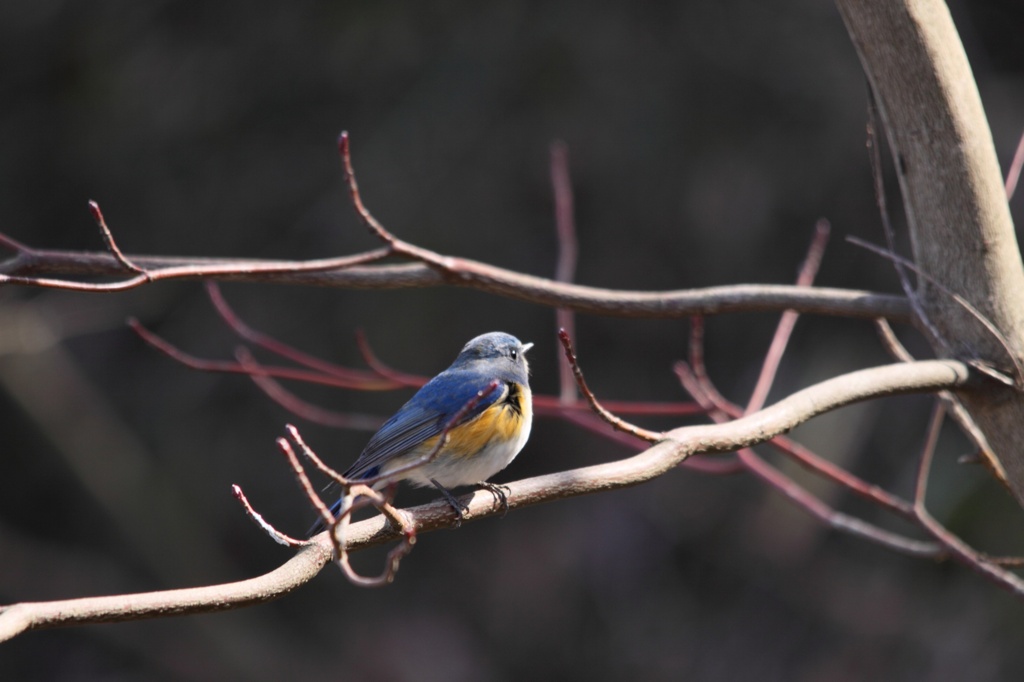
(527,346)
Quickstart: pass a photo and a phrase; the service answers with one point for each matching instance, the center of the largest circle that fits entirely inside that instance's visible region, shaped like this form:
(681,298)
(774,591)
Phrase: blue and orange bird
(483,441)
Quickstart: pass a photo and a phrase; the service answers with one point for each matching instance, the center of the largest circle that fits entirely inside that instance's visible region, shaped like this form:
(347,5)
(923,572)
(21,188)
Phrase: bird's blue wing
(423,417)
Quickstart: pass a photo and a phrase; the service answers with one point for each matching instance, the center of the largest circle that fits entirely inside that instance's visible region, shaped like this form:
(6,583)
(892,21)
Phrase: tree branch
(473,274)
(677,446)
(25,616)
(953,195)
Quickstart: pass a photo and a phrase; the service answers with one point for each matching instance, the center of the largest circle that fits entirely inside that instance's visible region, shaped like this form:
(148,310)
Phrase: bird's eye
(513,353)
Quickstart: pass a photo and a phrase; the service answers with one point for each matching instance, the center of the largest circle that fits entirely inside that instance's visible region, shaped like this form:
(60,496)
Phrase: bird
(483,437)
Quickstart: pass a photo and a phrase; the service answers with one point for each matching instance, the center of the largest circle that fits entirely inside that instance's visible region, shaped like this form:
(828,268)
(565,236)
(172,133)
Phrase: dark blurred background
(706,138)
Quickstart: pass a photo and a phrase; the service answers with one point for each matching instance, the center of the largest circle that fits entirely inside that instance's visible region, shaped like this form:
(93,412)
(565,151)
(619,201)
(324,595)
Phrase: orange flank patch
(497,423)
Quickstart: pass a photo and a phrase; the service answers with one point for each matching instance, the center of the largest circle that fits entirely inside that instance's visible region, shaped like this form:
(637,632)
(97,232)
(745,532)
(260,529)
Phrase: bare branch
(677,446)
(954,195)
(341,377)
(297,571)
(29,266)
(616,422)
(300,408)
(565,270)
(274,534)
(959,549)
(676,303)
(1018,379)
(1013,175)
(808,271)
(722,411)
(108,239)
(348,377)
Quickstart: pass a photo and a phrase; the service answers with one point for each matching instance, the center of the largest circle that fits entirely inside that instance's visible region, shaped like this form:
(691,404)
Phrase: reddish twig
(891,342)
(721,411)
(108,240)
(407,533)
(568,248)
(956,409)
(696,381)
(370,358)
(339,524)
(12,244)
(305,410)
(331,473)
(616,422)
(394,245)
(832,518)
(959,549)
(591,422)
(366,382)
(1013,175)
(351,377)
(808,271)
(704,391)
(381,377)
(274,534)
(551,405)
(307,487)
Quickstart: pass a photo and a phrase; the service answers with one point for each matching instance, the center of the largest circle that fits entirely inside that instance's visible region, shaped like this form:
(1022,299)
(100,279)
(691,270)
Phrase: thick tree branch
(953,195)
(474,274)
(19,618)
(678,445)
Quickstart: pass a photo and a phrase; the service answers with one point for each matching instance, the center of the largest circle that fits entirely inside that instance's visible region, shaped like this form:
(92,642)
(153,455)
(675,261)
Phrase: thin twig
(953,404)
(891,342)
(108,240)
(568,248)
(696,381)
(301,408)
(364,381)
(616,422)
(1018,380)
(959,549)
(274,534)
(875,156)
(307,487)
(354,495)
(395,517)
(832,518)
(375,227)
(285,272)
(721,410)
(309,453)
(370,358)
(14,245)
(805,278)
(357,378)
(433,269)
(1013,175)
